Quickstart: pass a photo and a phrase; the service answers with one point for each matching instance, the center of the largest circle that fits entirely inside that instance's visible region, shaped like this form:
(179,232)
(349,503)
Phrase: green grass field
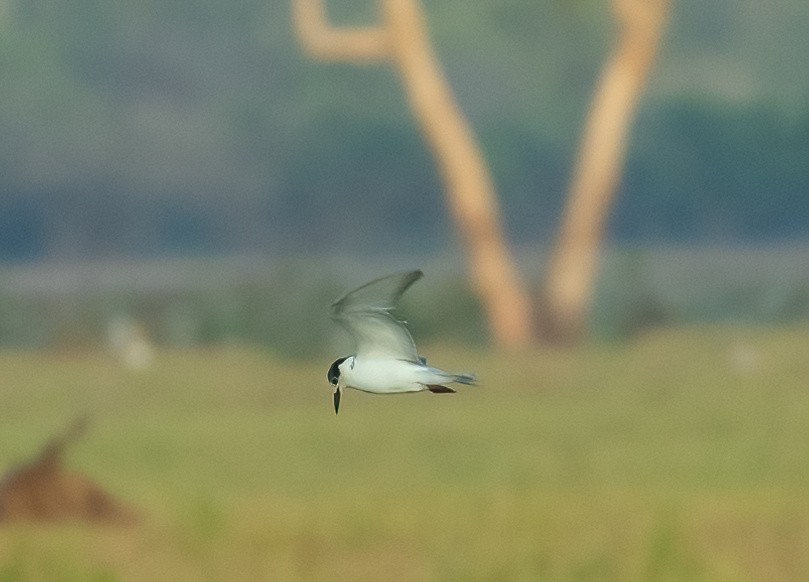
(663,459)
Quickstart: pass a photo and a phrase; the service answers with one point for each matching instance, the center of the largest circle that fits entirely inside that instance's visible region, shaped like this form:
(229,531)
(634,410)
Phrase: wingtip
(405,280)
(411,277)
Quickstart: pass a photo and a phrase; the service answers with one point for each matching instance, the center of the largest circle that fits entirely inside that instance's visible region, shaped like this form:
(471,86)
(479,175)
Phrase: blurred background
(184,164)
(186,186)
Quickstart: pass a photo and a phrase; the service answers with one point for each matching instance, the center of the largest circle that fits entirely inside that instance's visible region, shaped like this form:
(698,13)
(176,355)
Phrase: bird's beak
(337,400)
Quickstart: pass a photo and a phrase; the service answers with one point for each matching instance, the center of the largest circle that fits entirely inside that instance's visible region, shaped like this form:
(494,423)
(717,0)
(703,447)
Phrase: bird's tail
(465,378)
(458,378)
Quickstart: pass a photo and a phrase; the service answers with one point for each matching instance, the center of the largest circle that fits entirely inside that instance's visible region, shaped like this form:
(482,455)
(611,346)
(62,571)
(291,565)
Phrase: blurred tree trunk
(574,261)
(402,40)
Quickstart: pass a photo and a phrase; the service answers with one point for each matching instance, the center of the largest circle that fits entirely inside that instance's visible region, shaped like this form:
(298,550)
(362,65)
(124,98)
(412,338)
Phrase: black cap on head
(334,370)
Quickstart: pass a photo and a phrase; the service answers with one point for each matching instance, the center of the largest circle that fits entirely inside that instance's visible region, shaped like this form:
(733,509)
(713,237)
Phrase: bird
(386,360)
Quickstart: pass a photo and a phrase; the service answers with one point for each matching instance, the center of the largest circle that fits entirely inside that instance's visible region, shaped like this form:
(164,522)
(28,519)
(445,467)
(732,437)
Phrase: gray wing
(365,313)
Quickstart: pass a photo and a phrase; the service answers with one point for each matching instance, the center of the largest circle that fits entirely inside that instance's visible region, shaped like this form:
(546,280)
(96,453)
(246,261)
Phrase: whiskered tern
(386,361)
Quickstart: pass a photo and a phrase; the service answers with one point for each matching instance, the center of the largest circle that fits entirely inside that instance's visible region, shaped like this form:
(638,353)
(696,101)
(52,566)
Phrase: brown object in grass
(43,490)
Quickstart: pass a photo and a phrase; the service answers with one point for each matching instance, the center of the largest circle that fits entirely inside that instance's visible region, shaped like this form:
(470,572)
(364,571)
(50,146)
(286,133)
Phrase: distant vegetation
(283,306)
(133,130)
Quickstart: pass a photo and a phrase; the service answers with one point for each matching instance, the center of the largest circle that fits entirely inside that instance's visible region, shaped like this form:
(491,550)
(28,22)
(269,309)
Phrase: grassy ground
(682,456)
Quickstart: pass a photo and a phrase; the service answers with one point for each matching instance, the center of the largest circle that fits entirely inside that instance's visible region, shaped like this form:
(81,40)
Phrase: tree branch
(471,194)
(574,263)
(322,41)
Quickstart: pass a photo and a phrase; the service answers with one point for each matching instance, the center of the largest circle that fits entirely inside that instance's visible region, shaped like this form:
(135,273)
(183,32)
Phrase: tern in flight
(386,361)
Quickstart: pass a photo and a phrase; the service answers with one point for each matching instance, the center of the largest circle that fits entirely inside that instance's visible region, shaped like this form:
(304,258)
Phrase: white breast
(382,375)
